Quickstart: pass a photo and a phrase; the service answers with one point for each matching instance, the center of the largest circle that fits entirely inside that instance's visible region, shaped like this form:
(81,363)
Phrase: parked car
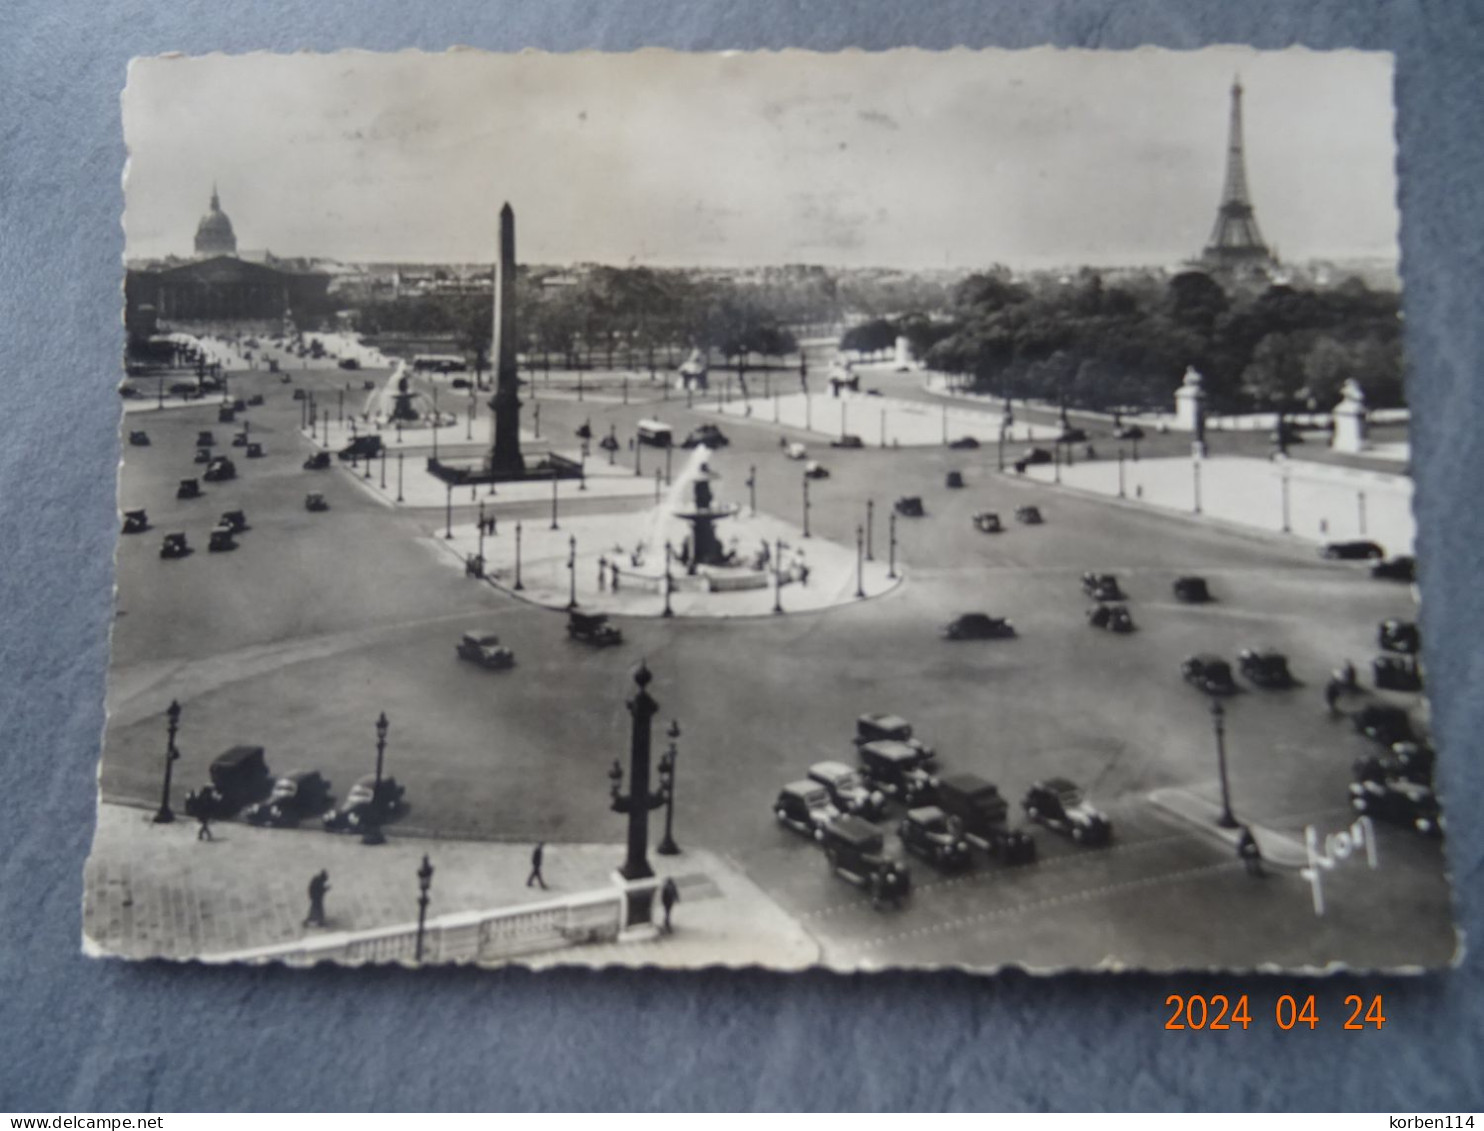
(1384,723)
(485,650)
(1058,804)
(1351,551)
(365,802)
(239,440)
(816,470)
(203,455)
(1192,590)
(239,777)
(458,383)
(1031,516)
(235,521)
(349,363)
(296,795)
(254,450)
(964,443)
(174,546)
(805,807)
(984,813)
(1211,674)
(1265,667)
(708,435)
(1032,457)
(315,502)
(1399,802)
(856,851)
(988,522)
(1397,673)
(1072,436)
(135,522)
(953,480)
(848,789)
(226,414)
(221,540)
(896,770)
(1129,432)
(205,440)
(1409,761)
(910,506)
(299,394)
(876,727)
(139,439)
(796,451)
(849,440)
(219,470)
(592,628)
(933,835)
(1111,618)
(255,400)
(1101,587)
(1403,567)
(362,447)
(1399,636)
(978,626)
(319,461)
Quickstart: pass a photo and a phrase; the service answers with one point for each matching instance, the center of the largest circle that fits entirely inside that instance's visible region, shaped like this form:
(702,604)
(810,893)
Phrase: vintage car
(299,394)
(963,443)
(319,461)
(219,470)
(1384,723)
(456,383)
(1111,618)
(1265,667)
(1101,587)
(813,469)
(954,480)
(1033,456)
(222,539)
(935,836)
(1399,636)
(1059,805)
(983,814)
(236,521)
(856,851)
(188,489)
(239,777)
(485,650)
(910,506)
(978,626)
(254,450)
(896,770)
(707,435)
(348,363)
(1209,673)
(849,440)
(1399,802)
(139,439)
(1031,516)
(357,806)
(203,455)
(848,789)
(1403,567)
(1128,432)
(255,400)
(136,522)
(592,628)
(205,440)
(362,447)
(1070,435)
(1397,673)
(184,390)
(1351,551)
(174,546)
(796,451)
(874,727)
(988,522)
(1409,761)
(296,795)
(1192,590)
(226,414)
(314,501)
(239,439)
(805,807)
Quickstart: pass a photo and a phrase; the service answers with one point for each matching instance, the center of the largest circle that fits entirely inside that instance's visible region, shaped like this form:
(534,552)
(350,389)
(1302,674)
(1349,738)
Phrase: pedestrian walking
(602,574)
(1348,676)
(536,855)
(1250,853)
(669,897)
(615,577)
(204,832)
(1332,691)
(319,885)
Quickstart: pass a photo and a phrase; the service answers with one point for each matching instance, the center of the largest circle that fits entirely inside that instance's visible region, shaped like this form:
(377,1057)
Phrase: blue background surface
(78,1034)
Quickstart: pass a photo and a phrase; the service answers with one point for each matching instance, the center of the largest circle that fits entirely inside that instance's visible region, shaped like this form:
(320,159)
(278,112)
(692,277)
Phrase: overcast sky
(907,158)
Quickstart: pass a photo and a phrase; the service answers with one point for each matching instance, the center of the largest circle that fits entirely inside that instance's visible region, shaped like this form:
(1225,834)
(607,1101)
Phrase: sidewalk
(154,891)
(1202,812)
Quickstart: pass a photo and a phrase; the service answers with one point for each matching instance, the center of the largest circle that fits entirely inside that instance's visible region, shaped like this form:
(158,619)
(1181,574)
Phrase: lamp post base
(668,847)
(164,816)
(373,836)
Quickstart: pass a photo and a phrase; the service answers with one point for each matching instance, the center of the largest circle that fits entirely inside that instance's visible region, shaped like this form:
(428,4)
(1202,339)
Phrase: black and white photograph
(861,511)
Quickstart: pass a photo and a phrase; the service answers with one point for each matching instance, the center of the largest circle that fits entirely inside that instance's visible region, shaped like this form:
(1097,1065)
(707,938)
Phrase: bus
(655,433)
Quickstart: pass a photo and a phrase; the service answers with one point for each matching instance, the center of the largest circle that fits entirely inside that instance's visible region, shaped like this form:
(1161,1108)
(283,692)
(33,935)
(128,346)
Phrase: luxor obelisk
(505,457)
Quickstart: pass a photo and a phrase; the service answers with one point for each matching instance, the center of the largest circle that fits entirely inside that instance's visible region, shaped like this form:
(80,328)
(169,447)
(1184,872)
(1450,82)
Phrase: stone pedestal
(1190,406)
(1350,420)
(904,354)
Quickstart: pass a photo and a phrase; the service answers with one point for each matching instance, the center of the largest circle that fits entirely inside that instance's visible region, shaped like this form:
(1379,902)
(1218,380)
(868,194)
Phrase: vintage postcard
(863,511)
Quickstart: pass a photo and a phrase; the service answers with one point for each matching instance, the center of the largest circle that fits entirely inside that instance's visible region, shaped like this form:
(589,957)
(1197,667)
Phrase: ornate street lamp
(383,467)
(669,581)
(1121,493)
(424,882)
(870,517)
(779,546)
(891,542)
(1283,480)
(1218,722)
(638,802)
(481,530)
(669,452)
(1000,447)
(805,478)
(572,571)
(372,835)
(435,421)
(638,455)
(554,525)
(517,586)
(164,815)
(1195,481)
(399,476)
(469,424)
(1360,506)
(860,558)
(752,488)
(536,416)
(448,509)
(668,761)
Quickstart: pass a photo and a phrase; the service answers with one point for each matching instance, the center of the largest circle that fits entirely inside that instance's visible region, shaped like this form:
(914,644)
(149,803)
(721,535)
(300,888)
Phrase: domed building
(214,235)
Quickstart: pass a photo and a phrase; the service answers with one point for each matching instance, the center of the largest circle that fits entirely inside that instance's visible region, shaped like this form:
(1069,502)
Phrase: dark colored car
(1265,667)
(988,522)
(1399,802)
(875,727)
(1031,516)
(964,443)
(1403,567)
(315,502)
(319,461)
(255,400)
(849,440)
(203,455)
(1409,761)
(135,522)
(205,440)
(1101,587)
(254,450)
(592,628)
(349,363)
(357,808)
(1111,618)
(1351,551)
(139,439)
(1211,674)
(856,851)
(226,414)
(1384,723)
(1129,432)
(1399,636)
(239,440)
(954,479)
(1033,456)
(978,626)
(1072,436)
(174,546)
(896,770)
(296,795)
(239,776)
(848,789)
(221,540)
(362,447)
(1397,673)
(707,435)
(1059,805)
(485,650)
(937,838)
(805,807)
(984,813)
(457,383)
(299,394)
(1192,590)
(910,506)
(236,521)
(219,470)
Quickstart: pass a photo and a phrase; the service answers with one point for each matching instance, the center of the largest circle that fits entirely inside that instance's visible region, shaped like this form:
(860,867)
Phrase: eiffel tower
(1235,240)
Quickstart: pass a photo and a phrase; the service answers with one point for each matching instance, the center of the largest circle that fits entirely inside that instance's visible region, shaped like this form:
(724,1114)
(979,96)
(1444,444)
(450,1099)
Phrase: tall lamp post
(424,882)
(1218,722)
(891,542)
(572,572)
(806,505)
(435,421)
(860,560)
(383,467)
(448,510)
(554,525)
(1121,493)
(779,545)
(870,519)
(1195,479)
(669,581)
(752,488)
(668,847)
(372,835)
(1283,480)
(637,803)
(164,815)
(399,476)
(481,530)
(518,585)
